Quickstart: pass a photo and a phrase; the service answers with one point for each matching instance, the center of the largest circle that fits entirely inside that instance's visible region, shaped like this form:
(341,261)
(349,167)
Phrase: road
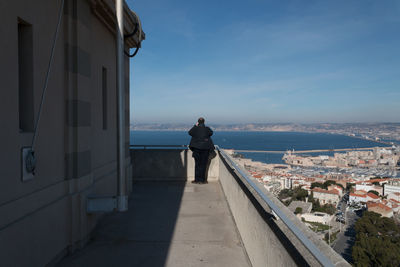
(345,239)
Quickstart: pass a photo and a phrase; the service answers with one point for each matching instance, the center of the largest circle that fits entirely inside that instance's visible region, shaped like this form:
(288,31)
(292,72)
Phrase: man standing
(200,144)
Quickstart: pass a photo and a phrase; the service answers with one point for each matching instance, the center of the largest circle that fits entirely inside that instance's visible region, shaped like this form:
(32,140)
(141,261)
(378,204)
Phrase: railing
(158,146)
(278,212)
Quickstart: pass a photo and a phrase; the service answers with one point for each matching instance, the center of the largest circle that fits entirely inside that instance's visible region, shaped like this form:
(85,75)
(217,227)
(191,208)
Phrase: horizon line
(246,123)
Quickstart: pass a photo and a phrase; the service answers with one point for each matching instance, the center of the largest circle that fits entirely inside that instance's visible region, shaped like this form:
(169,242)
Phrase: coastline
(259,140)
(230,130)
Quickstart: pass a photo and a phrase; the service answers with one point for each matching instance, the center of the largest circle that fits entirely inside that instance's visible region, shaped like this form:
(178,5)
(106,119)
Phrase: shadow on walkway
(167,224)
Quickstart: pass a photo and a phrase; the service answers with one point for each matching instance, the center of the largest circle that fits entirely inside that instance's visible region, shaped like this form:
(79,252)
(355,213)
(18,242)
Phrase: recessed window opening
(25,76)
(104,97)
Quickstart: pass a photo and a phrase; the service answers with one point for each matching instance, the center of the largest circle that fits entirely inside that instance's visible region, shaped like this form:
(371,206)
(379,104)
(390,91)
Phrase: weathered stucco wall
(46,217)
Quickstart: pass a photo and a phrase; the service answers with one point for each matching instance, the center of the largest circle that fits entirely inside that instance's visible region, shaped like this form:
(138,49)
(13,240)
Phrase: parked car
(340,219)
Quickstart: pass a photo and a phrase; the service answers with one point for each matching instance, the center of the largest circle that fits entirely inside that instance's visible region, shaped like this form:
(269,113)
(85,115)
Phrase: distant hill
(375,131)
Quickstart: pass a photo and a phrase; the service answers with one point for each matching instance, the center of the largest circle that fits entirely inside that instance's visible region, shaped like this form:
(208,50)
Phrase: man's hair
(201,120)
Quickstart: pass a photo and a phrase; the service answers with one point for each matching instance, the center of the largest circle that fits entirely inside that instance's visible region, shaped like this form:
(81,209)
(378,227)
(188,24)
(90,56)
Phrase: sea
(270,141)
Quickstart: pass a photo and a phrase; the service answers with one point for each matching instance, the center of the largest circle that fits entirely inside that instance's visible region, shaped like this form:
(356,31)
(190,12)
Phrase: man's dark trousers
(201,159)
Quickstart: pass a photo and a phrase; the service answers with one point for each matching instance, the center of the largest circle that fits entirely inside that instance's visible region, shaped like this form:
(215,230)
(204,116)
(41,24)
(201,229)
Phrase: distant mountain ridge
(287,127)
(374,131)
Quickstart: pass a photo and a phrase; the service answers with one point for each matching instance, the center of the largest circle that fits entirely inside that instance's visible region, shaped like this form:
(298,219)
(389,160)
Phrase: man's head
(201,120)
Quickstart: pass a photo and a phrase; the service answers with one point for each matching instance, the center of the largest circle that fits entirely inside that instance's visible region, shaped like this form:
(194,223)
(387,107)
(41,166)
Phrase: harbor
(306,151)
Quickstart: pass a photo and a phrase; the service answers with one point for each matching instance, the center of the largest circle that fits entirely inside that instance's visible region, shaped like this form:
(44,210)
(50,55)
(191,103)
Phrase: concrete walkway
(168,224)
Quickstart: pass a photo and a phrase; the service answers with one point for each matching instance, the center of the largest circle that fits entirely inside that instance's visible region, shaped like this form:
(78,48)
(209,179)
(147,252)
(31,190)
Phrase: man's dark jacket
(201,137)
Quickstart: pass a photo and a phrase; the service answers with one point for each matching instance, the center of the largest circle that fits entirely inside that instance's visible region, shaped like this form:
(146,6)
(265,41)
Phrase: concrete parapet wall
(267,240)
(261,243)
(167,164)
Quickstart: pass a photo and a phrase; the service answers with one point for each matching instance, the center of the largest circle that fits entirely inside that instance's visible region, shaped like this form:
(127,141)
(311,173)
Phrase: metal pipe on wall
(122,197)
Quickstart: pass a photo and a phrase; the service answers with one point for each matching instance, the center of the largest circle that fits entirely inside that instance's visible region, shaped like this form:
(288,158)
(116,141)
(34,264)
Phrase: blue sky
(267,61)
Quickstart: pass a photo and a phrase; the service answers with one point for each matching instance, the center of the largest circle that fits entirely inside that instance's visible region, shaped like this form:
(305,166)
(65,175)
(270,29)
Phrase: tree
(317,184)
(374,192)
(315,205)
(287,202)
(325,184)
(294,194)
(299,194)
(328,183)
(285,193)
(377,241)
(349,186)
(311,197)
(327,208)
(298,210)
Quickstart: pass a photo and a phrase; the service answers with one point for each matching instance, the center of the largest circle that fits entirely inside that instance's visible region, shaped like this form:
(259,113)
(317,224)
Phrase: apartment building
(326,196)
(391,187)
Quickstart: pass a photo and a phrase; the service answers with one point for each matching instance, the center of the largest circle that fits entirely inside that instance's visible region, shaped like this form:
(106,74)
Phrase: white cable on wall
(30,158)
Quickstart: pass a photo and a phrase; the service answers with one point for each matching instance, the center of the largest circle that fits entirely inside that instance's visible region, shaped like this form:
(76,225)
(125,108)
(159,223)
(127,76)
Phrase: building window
(25,76)
(104,97)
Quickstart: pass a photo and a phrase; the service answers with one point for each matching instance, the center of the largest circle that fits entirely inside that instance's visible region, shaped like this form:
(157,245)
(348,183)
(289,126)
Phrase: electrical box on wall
(28,164)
